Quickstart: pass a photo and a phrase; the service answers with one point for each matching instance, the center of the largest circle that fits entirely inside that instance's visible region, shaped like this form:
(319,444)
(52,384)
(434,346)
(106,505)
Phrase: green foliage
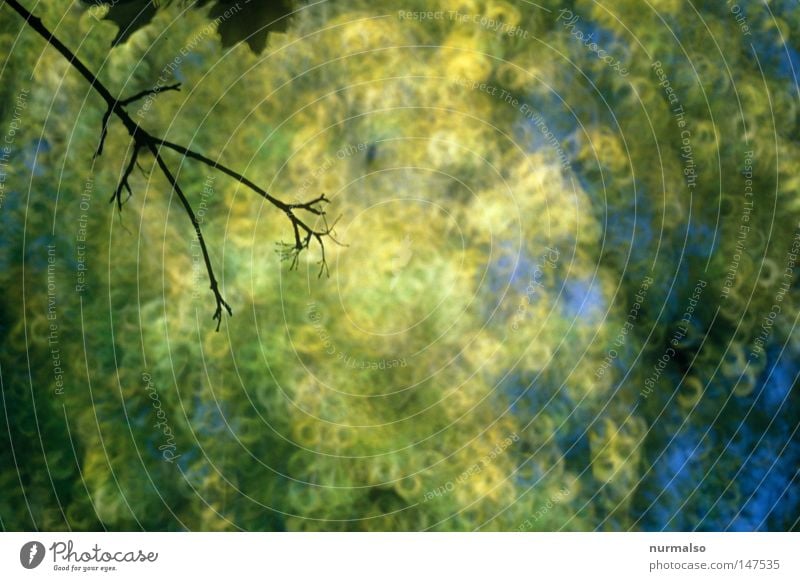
(375,399)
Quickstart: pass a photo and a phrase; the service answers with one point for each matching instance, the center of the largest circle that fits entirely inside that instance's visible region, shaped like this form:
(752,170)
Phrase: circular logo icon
(31,554)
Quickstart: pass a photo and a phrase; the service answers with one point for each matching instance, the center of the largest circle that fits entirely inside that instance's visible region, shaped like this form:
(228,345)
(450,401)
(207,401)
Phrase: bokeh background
(565,296)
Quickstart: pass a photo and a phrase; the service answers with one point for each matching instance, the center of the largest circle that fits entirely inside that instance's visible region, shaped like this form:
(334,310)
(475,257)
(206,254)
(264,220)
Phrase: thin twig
(147,92)
(200,239)
(128,101)
(117,195)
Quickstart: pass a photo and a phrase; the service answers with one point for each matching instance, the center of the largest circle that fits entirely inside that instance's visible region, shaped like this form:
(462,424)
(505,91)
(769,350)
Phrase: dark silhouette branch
(304,234)
(117,195)
(291,251)
(148,92)
(128,101)
(188,207)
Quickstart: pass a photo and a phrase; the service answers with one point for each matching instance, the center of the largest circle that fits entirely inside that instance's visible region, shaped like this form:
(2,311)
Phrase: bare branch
(287,251)
(128,101)
(103,132)
(200,239)
(291,251)
(154,91)
(303,234)
(117,195)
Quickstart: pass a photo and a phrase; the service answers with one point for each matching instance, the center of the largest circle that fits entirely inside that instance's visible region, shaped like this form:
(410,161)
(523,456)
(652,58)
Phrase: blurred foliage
(445,376)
